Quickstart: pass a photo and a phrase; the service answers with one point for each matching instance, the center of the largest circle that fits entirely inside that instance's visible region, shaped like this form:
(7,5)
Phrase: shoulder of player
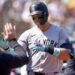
(57,28)
(29,30)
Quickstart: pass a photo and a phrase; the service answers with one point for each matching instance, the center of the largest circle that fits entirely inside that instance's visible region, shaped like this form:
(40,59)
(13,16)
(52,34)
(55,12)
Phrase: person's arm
(60,53)
(63,53)
(14,57)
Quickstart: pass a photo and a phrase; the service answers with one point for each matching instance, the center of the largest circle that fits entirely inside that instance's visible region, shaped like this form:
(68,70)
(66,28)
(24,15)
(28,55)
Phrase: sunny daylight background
(62,13)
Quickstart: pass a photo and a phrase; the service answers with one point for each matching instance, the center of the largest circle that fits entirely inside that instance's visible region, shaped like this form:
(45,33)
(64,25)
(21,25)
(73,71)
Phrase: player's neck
(44,27)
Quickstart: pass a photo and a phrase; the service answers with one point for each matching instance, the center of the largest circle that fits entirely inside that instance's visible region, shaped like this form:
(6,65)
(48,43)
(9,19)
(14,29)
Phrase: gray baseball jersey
(41,61)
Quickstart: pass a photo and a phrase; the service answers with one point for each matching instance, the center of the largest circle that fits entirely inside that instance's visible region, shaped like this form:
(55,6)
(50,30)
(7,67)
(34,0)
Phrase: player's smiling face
(37,19)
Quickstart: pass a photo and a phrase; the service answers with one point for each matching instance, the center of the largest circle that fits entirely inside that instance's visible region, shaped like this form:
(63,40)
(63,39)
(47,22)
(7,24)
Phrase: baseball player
(37,38)
(41,43)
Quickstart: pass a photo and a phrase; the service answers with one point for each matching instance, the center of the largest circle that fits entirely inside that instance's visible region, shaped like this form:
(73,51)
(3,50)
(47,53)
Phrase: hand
(9,32)
(69,47)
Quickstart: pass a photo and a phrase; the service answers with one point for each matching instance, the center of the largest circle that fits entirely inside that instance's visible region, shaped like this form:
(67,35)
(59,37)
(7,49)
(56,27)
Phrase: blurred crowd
(62,13)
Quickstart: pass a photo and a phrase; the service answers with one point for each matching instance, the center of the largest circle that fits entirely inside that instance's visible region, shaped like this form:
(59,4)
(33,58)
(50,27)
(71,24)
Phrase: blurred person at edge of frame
(9,58)
(70,28)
